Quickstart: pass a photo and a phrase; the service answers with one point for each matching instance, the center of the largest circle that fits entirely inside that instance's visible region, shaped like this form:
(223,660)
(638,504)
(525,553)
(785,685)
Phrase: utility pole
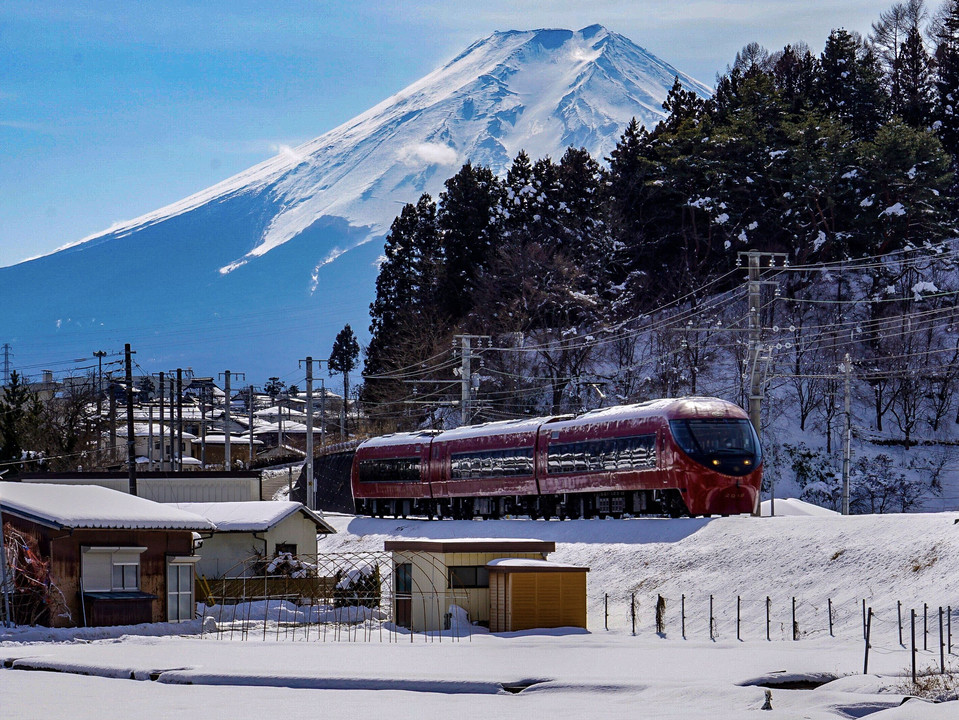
(172,422)
(6,364)
(203,392)
(150,439)
(179,419)
(112,410)
(227,376)
(756,385)
(227,462)
(99,355)
(465,372)
(131,437)
(250,409)
(162,420)
(308,469)
(846,367)
(322,410)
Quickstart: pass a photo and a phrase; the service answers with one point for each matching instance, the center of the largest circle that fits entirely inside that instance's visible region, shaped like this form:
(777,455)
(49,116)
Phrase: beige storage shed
(526,594)
(431,576)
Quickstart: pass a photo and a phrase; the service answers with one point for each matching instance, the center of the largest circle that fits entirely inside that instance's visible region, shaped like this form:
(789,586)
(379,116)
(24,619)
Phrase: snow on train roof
(499,427)
(701,406)
(695,406)
(410,438)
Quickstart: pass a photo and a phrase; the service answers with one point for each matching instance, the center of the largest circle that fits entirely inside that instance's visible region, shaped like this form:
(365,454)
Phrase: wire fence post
(865,662)
(738,617)
(899,618)
(606,610)
(942,646)
(682,609)
(661,616)
(864,618)
(768,603)
(795,624)
(912,618)
(829,602)
(632,611)
(925,626)
(949,626)
(711,635)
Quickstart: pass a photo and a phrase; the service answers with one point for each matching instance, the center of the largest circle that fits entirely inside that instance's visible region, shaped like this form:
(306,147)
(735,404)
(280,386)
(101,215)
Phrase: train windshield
(728,445)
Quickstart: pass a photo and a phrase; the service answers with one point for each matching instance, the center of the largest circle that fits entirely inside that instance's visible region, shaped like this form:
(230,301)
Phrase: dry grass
(932,685)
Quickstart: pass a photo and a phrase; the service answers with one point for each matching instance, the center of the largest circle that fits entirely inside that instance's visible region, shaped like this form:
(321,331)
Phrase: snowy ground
(599,673)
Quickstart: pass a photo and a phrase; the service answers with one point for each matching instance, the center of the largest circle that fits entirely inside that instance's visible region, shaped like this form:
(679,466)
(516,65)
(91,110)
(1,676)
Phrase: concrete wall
(225,552)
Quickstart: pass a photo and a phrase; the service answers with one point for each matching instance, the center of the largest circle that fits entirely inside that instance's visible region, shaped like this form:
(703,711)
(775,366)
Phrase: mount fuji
(267,266)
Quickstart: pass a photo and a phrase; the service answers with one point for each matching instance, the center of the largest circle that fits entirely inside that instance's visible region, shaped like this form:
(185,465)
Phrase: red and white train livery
(695,455)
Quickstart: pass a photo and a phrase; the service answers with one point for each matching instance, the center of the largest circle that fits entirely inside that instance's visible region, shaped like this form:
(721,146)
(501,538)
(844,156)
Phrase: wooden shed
(526,594)
(431,576)
(113,558)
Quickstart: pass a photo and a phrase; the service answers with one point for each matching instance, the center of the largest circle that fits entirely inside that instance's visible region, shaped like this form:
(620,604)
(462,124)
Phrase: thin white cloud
(428,154)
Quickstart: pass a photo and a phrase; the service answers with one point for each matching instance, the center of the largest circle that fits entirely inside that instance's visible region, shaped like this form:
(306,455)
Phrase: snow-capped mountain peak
(540,91)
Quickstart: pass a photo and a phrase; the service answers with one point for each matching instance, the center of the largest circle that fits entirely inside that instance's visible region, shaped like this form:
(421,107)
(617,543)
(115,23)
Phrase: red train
(696,456)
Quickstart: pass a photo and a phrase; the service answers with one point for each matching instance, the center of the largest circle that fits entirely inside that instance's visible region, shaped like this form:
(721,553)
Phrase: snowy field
(596,673)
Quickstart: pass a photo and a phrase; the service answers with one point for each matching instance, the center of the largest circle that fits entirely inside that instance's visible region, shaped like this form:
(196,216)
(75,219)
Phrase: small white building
(247,529)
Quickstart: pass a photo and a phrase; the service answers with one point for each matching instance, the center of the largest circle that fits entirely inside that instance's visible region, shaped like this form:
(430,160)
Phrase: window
(179,587)
(126,576)
(404,579)
(286,548)
(405,470)
(492,463)
(625,453)
(468,576)
(110,569)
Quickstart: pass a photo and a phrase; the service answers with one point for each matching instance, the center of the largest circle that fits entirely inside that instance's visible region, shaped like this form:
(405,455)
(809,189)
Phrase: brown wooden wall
(63,549)
(522,601)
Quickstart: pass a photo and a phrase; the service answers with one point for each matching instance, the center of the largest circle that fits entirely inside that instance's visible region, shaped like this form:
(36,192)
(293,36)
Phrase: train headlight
(715,461)
(747,462)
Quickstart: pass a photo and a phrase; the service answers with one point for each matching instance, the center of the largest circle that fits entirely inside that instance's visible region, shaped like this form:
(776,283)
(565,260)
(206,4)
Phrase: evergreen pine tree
(915,81)
(469,223)
(343,359)
(947,78)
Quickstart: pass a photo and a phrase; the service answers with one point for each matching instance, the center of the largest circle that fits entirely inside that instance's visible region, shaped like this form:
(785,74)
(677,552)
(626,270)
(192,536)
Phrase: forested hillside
(595,281)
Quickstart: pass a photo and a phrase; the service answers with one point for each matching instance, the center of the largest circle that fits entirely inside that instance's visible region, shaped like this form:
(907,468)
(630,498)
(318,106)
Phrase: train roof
(670,408)
(500,427)
(402,438)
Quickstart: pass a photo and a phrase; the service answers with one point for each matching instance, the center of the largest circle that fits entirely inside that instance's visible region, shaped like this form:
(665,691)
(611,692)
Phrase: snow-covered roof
(254,516)
(532,565)
(461,545)
(92,506)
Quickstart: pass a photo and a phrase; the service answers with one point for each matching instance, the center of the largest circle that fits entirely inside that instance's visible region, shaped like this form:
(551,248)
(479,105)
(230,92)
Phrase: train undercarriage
(569,506)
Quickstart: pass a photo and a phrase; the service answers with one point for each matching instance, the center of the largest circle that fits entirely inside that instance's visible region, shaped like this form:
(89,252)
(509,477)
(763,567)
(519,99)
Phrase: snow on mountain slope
(540,90)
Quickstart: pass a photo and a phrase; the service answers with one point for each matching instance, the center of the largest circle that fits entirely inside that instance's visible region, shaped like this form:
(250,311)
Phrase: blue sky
(109,110)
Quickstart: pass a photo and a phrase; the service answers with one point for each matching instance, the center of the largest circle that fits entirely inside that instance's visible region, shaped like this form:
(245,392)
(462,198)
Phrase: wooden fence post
(942,646)
(899,617)
(738,617)
(795,624)
(711,635)
(682,602)
(925,626)
(768,603)
(913,624)
(865,662)
(632,611)
(606,610)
